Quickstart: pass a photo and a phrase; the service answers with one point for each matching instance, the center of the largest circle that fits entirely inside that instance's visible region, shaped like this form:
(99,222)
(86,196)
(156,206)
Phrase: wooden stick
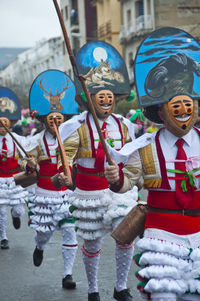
(13,137)
(63,157)
(82,80)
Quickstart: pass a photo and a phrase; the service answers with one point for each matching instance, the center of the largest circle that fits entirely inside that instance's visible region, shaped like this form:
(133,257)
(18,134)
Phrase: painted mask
(50,123)
(7,123)
(104,103)
(180,114)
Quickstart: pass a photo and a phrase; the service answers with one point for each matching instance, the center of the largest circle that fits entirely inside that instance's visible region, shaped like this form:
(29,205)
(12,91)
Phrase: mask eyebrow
(184,100)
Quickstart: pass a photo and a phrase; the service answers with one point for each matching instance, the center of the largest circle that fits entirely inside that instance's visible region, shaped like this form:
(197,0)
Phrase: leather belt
(11,170)
(187,212)
(44,177)
(98,174)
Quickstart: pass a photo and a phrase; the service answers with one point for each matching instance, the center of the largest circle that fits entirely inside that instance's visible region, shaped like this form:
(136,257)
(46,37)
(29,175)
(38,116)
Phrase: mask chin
(171,126)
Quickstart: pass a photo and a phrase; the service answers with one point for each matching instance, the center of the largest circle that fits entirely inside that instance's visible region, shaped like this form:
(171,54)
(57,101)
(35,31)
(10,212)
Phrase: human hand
(112,173)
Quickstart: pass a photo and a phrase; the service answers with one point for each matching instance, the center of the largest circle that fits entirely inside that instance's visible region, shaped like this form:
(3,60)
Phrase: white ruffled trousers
(170,266)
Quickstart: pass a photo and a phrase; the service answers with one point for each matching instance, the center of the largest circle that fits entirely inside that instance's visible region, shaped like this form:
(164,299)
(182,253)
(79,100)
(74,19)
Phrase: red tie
(4,150)
(182,198)
(100,154)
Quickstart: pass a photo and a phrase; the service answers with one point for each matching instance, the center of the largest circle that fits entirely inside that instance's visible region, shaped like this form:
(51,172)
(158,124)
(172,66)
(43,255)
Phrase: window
(128,15)
(66,12)
(139,8)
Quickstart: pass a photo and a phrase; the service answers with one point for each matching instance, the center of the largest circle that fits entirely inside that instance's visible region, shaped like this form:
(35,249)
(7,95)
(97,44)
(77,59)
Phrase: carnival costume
(10,194)
(96,209)
(170,159)
(48,206)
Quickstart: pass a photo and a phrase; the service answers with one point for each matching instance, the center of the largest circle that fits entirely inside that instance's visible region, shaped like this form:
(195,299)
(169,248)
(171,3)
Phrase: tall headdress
(103,68)
(9,104)
(52,91)
(167,64)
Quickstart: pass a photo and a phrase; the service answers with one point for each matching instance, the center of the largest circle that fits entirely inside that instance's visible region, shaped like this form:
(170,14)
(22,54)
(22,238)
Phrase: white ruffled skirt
(48,209)
(169,263)
(10,193)
(97,211)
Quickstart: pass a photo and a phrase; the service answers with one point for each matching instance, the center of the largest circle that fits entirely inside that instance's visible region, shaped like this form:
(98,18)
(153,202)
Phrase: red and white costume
(48,206)
(96,208)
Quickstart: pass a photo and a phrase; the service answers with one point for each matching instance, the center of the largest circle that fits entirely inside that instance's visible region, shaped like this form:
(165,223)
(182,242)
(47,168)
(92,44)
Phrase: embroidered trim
(89,254)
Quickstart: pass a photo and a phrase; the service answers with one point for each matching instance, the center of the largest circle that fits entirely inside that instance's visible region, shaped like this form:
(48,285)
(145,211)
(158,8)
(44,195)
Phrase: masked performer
(169,89)
(10,194)
(96,208)
(52,95)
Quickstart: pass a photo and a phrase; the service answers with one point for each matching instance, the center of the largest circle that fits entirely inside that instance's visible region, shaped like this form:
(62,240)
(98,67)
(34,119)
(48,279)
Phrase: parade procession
(100,154)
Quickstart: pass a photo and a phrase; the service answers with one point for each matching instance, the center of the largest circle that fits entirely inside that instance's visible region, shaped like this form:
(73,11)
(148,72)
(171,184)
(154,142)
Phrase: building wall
(80,30)
(183,14)
(20,74)
(109,22)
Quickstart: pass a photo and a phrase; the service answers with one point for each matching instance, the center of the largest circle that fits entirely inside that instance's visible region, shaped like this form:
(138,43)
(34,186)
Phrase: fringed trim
(157,245)
(89,225)
(152,183)
(166,285)
(127,246)
(89,202)
(91,235)
(150,258)
(89,214)
(161,271)
(42,228)
(90,254)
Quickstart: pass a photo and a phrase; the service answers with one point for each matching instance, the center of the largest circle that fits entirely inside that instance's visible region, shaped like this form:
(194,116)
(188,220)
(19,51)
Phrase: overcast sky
(24,22)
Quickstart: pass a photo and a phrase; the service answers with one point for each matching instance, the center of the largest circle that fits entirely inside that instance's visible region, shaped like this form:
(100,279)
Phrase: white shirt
(191,147)
(113,132)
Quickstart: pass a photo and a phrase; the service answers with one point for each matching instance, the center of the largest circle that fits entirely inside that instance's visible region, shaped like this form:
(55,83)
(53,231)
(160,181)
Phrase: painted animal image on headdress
(53,91)
(54,99)
(167,63)
(7,104)
(168,69)
(103,68)
(102,75)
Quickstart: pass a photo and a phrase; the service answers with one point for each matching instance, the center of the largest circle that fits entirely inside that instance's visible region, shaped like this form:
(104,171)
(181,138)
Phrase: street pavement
(20,280)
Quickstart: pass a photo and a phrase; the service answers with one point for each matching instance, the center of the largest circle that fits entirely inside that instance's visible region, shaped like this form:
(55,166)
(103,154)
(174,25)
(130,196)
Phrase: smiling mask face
(180,114)
(7,123)
(104,103)
(50,121)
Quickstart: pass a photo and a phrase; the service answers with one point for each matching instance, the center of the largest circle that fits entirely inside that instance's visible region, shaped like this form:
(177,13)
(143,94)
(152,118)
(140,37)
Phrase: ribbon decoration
(187,175)
(190,164)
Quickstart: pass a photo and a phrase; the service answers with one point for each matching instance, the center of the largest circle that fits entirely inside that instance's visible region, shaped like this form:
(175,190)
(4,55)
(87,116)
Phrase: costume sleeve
(71,146)
(129,175)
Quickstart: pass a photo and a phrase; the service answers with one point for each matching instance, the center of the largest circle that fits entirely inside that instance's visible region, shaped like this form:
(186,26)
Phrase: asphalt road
(20,280)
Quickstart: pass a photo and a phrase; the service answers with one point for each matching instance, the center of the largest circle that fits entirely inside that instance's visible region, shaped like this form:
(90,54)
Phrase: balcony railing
(141,23)
(105,30)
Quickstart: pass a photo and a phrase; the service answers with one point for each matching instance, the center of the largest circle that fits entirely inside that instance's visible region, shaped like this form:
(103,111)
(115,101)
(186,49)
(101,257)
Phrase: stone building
(109,22)
(20,73)
(80,21)
(139,17)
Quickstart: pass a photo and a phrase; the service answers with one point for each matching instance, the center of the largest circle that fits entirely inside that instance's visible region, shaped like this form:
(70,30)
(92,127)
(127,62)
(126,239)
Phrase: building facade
(139,17)
(80,21)
(109,22)
(19,74)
